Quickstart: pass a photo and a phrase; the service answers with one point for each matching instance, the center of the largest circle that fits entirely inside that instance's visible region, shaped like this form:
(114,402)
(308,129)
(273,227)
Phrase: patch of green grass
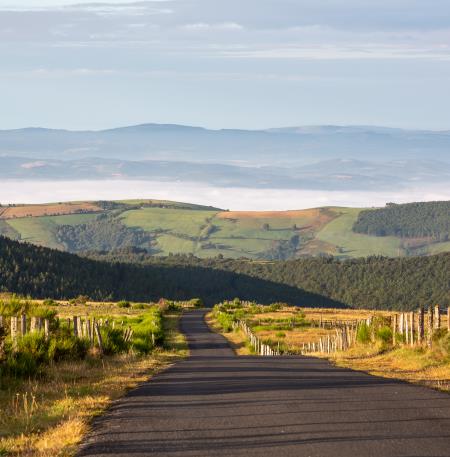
(37,230)
(70,219)
(174,221)
(339,233)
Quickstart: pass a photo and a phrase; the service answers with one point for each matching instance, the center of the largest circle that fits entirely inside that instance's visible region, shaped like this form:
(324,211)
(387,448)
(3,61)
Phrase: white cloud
(340,52)
(199,26)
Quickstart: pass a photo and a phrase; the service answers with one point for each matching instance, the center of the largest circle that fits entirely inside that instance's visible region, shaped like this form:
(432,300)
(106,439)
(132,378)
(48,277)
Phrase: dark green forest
(132,274)
(411,220)
(373,282)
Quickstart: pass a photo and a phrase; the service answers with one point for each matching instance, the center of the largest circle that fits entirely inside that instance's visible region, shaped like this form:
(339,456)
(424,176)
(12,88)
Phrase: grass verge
(50,415)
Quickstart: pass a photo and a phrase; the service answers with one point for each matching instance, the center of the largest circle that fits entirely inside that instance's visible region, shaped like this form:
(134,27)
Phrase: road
(217,404)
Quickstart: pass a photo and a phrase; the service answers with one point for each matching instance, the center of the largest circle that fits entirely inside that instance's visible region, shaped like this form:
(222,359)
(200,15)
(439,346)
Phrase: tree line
(411,220)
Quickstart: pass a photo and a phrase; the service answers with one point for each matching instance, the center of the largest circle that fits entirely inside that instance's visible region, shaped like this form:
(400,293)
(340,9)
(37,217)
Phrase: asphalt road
(217,404)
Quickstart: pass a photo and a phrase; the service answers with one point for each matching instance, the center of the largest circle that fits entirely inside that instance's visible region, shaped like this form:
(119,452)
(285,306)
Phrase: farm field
(46,411)
(293,330)
(183,228)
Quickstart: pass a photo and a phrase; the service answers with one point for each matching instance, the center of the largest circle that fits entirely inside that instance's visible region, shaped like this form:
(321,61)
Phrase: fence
(259,347)
(87,328)
(411,328)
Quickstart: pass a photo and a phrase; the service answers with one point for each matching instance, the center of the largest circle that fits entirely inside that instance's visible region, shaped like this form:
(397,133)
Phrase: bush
(113,341)
(384,334)
(363,335)
(67,348)
(123,304)
(225,320)
(49,302)
(30,353)
(140,306)
(147,325)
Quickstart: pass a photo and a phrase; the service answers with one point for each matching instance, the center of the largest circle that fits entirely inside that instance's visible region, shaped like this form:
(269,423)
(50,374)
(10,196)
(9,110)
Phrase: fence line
(86,328)
(409,328)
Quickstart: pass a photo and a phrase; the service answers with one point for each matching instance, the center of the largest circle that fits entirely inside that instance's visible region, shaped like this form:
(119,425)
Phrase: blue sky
(227,63)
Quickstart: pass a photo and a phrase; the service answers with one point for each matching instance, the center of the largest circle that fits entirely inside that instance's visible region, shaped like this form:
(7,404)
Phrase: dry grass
(49,416)
(419,365)
(51,209)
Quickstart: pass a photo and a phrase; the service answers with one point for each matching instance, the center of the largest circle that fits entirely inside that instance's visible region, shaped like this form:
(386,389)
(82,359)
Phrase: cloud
(200,26)
(378,51)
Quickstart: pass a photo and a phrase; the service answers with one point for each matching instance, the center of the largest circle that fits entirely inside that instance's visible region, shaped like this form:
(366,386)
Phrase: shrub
(30,352)
(384,334)
(146,326)
(363,335)
(49,302)
(140,306)
(113,341)
(123,304)
(67,347)
(274,307)
(225,320)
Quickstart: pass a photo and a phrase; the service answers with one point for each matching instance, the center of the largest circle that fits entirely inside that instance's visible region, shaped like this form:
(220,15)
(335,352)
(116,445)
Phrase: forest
(411,220)
(132,274)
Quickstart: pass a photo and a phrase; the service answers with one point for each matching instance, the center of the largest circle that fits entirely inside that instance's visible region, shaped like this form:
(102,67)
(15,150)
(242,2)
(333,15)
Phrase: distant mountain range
(321,157)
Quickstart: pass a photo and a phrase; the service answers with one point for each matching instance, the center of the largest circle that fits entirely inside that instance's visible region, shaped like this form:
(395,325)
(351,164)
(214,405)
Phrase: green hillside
(163,228)
(378,283)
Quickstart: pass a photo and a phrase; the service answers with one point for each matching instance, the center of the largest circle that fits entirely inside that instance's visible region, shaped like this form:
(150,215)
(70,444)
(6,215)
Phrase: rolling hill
(400,283)
(163,228)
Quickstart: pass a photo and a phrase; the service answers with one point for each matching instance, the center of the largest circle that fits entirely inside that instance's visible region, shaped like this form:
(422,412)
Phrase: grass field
(36,230)
(339,233)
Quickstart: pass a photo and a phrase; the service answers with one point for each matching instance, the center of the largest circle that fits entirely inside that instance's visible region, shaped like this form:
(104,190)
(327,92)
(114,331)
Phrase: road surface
(217,404)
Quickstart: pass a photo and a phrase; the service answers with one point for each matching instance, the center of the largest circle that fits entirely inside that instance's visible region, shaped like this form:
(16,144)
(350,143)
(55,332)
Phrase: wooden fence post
(437,317)
(421,325)
(406,317)
(99,337)
(411,328)
(23,324)
(33,324)
(394,330)
(430,326)
(75,326)
(448,318)
(14,330)
(47,329)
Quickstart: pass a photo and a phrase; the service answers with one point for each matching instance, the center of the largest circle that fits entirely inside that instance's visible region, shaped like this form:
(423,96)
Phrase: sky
(225,64)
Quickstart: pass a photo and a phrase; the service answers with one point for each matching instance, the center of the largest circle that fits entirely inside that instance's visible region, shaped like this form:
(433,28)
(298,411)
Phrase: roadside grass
(421,365)
(49,415)
(236,338)
(417,365)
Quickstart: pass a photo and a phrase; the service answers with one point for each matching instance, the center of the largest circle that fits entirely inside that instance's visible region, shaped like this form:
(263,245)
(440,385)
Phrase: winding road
(217,404)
